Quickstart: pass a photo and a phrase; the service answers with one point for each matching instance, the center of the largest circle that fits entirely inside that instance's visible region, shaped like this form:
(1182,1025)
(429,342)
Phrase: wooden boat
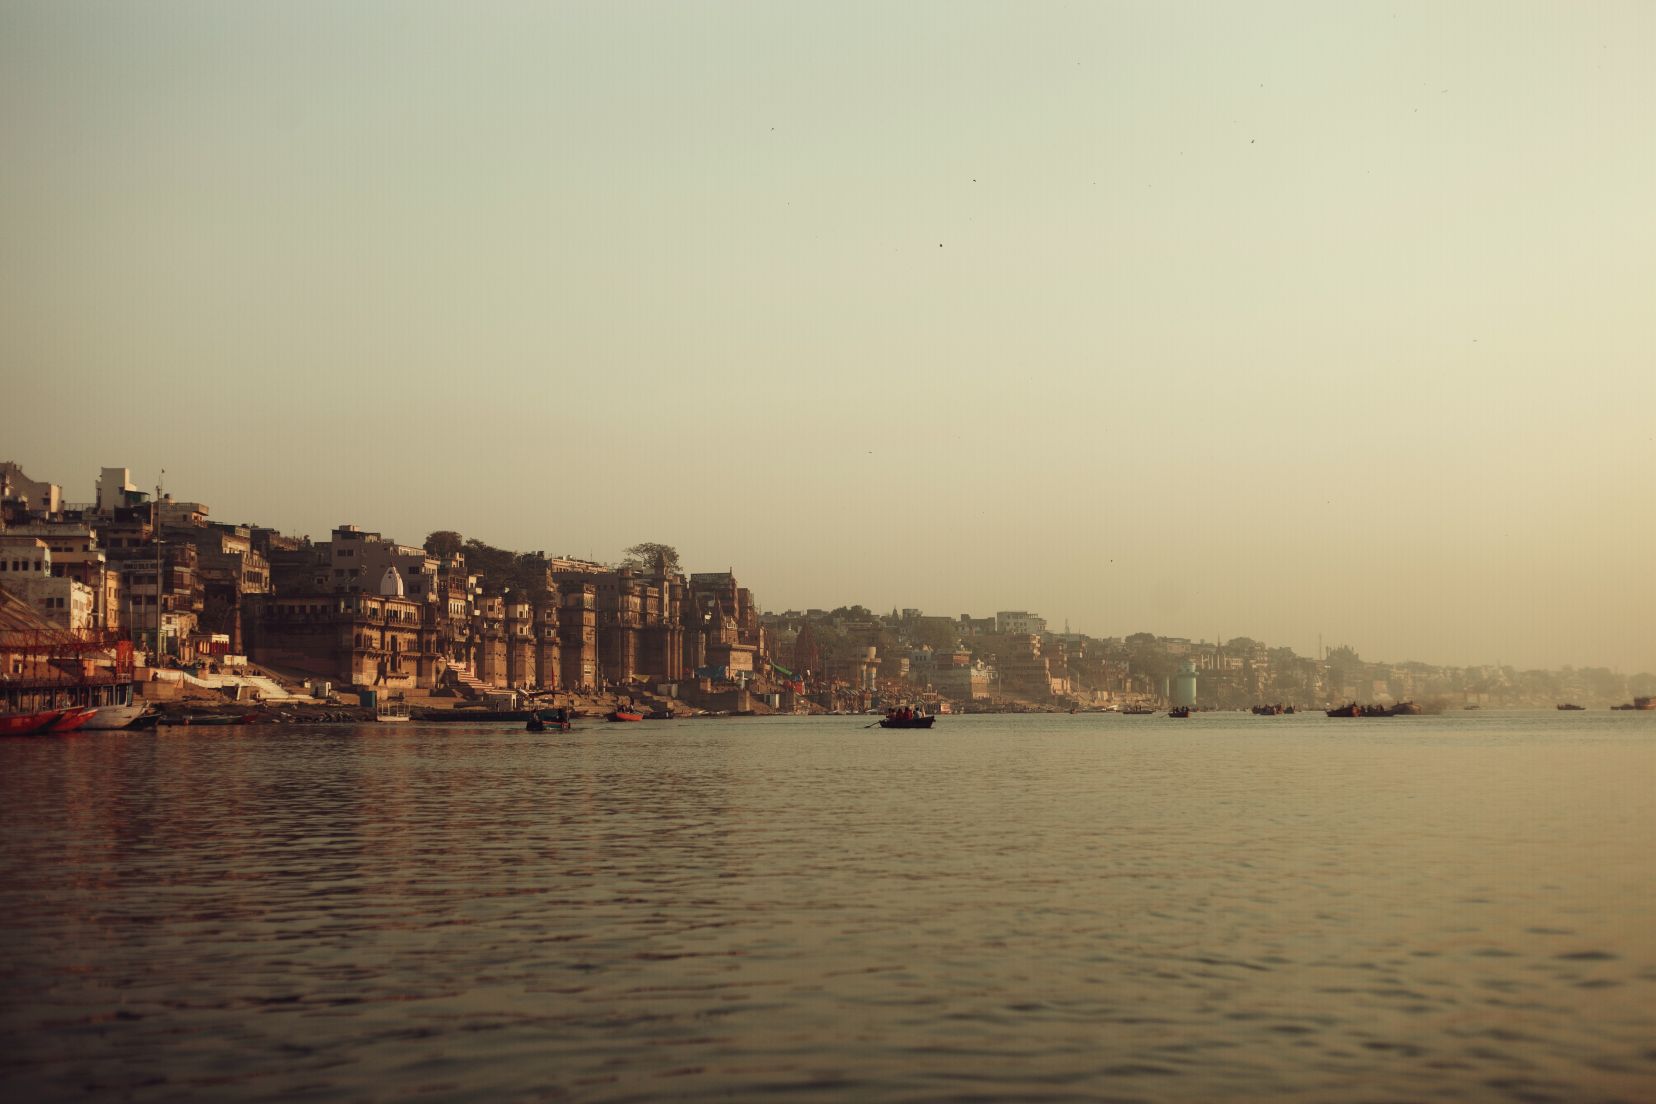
(1406,709)
(625,715)
(1571,707)
(1352,710)
(921,721)
(558,722)
(28,724)
(115,716)
(1180,713)
(71,720)
(1139,711)
(393,713)
(475,716)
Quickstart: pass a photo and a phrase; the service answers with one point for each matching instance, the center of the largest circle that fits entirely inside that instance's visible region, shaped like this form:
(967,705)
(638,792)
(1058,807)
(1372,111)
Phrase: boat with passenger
(907,716)
(556,720)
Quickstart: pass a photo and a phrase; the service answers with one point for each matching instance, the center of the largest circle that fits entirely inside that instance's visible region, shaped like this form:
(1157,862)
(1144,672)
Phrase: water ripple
(1063,908)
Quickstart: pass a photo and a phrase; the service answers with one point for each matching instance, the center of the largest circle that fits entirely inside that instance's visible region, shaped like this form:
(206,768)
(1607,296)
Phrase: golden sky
(1263,319)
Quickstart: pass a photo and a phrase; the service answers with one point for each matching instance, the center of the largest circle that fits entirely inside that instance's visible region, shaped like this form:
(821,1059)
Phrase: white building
(26,571)
(115,489)
(1021,622)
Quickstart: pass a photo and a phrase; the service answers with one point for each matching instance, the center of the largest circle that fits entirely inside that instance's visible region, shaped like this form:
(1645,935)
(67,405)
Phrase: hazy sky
(1263,319)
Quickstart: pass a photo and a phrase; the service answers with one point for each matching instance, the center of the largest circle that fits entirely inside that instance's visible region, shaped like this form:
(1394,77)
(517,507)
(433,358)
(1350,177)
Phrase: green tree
(648,556)
(443,543)
(494,564)
(936,635)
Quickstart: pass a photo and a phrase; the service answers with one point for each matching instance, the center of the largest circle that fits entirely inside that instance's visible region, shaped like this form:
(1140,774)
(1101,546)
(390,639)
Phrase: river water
(1016,908)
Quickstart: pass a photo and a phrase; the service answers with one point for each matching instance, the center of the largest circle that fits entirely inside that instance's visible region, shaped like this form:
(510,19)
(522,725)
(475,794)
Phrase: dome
(391,583)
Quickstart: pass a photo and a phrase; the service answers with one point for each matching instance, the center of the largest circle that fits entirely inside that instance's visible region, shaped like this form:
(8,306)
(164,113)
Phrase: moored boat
(1352,710)
(625,715)
(475,716)
(28,724)
(1181,712)
(1571,707)
(393,713)
(71,720)
(115,716)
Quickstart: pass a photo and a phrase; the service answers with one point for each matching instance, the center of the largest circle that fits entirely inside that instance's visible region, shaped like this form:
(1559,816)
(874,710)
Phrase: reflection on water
(1088,907)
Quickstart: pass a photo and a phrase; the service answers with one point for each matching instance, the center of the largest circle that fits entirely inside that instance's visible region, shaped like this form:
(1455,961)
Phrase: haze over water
(1058,907)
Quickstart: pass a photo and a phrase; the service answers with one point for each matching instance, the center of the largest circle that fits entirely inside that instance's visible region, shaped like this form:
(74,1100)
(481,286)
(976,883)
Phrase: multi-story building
(231,569)
(1025,671)
(637,618)
(161,593)
(357,560)
(37,498)
(578,636)
(1019,622)
(76,555)
(963,682)
(368,639)
(116,490)
(26,571)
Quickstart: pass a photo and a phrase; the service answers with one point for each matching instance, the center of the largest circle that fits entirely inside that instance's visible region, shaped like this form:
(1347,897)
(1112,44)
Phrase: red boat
(71,720)
(625,715)
(27,724)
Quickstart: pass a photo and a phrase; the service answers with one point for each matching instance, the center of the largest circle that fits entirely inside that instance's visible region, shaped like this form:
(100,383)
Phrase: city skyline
(1273,322)
(750,569)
